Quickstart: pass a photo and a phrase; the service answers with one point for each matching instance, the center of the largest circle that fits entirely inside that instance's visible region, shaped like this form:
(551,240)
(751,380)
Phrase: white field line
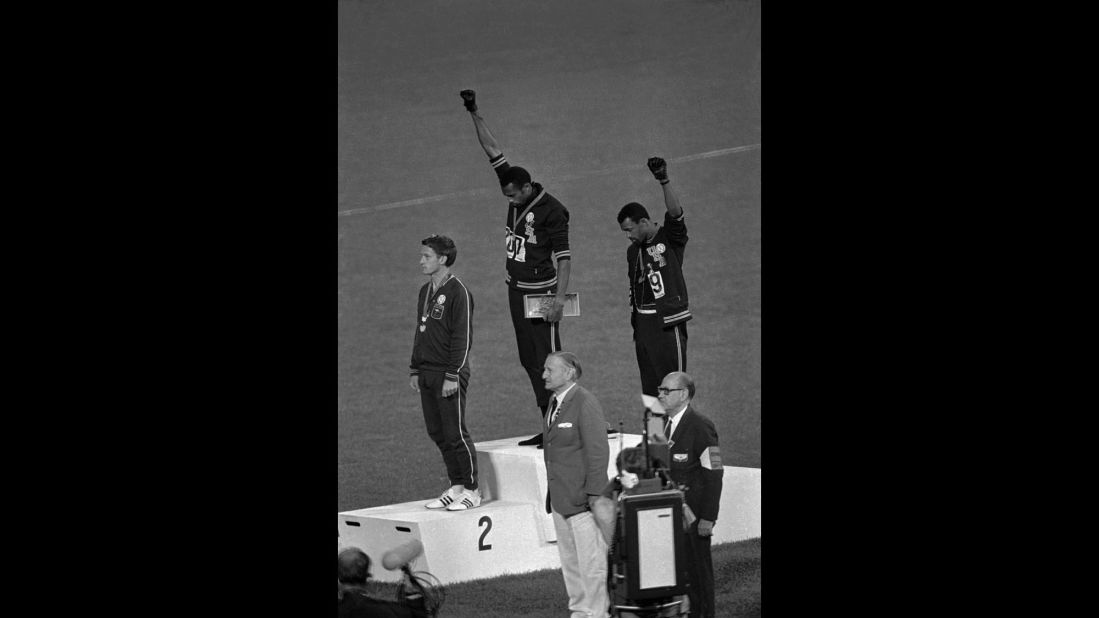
(588,174)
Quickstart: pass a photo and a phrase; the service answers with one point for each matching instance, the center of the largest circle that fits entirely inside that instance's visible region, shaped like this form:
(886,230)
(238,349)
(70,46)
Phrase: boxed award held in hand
(536,305)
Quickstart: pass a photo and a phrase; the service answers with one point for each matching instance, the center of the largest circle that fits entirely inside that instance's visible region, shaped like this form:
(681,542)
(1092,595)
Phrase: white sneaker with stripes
(447,498)
(468,499)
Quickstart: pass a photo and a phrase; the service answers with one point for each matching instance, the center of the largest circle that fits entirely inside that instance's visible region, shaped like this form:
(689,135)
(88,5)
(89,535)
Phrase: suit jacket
(576,452)
(696,463)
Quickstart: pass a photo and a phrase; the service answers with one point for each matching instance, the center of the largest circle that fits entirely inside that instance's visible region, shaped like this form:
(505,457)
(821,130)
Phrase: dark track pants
(535,339)
(445,418)
(701,592)
(660,350)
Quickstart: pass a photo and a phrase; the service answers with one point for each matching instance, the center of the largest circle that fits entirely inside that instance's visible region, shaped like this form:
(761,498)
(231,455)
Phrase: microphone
(401,555)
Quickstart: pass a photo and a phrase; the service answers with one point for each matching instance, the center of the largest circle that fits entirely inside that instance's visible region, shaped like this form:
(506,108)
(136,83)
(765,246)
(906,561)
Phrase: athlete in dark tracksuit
(439,368)
(658,293)
(536,233)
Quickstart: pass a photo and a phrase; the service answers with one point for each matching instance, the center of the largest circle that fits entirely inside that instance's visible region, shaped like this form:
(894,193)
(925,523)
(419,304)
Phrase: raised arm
(659,168)
(484,135)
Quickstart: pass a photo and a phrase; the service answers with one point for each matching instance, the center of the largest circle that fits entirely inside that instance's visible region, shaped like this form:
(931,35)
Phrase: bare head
(634,220)
(676,391)
(517,185)
(352,566)
(437,252)
(561,370)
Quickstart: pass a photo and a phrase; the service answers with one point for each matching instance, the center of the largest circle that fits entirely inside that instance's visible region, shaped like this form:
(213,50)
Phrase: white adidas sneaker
(468,499)
(447,498)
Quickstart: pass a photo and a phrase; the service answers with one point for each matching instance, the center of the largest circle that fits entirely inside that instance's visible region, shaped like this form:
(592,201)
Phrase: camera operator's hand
(705,527)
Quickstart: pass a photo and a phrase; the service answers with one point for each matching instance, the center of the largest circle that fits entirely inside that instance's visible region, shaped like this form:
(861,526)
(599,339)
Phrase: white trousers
(583,553)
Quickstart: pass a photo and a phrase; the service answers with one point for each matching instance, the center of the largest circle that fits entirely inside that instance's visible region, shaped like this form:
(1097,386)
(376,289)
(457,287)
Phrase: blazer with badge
(696,463)
(576,452)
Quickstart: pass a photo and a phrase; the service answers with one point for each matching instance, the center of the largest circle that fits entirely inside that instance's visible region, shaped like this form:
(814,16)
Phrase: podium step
(488,541)
(740,515)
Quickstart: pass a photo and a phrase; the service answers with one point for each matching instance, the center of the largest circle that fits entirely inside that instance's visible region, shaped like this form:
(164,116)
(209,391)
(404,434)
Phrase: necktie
(553,411)
(668,428)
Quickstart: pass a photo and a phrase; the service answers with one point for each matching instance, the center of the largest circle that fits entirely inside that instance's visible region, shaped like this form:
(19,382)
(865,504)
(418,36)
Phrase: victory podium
(511,532)
(497,538)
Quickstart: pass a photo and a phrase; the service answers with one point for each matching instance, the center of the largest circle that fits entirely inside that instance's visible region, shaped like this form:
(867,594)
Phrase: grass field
(581,94)
(541,594)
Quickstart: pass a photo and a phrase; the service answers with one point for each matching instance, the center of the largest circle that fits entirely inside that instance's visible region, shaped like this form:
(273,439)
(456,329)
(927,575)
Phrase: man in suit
(577,453)
(696,464)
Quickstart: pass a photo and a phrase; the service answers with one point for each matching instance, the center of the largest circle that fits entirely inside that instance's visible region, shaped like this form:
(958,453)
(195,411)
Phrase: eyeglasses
(665,391)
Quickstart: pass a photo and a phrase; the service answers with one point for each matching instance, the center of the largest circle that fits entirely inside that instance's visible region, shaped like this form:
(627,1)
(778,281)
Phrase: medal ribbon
(514,221)
(427,300)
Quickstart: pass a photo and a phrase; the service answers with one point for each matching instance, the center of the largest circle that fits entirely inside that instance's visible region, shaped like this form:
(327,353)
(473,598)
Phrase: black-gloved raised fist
(659,168)
(469,98)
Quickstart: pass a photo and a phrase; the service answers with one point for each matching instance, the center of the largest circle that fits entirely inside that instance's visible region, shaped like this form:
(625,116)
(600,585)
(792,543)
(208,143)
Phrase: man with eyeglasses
(695,464)
(439,370)
(658,293)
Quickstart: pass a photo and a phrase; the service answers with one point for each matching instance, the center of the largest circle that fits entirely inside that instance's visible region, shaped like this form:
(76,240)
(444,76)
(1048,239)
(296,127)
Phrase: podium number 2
(487,521)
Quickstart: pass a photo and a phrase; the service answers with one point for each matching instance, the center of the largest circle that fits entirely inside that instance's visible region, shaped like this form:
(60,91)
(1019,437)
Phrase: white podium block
(496,538)
(740,515)
(516,474)
(629,440)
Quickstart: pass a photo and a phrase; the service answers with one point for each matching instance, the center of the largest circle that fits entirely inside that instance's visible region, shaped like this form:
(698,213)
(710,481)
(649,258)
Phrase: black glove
(469,98)
(659,168)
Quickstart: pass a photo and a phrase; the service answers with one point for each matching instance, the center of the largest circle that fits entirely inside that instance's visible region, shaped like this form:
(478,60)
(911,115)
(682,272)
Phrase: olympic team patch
(530,229)
(711,458)
(656,252)
(437,310)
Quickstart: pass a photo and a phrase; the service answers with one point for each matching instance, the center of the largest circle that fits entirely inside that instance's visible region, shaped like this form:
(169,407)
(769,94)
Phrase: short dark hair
(442,245)
(352,566)
(631,460)
(514,176)
(634,211)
